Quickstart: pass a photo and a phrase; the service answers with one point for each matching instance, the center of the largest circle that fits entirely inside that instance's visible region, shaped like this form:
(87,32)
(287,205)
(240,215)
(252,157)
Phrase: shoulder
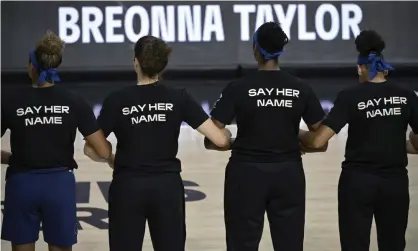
(180,90)
(120,94)
(69,97)
(402,89)
(238,84)
(351,90)
(296,82)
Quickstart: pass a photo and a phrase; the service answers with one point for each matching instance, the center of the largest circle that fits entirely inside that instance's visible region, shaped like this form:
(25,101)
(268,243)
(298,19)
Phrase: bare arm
(220,137)
(5,157)
(410,148)
(98,147)
(211,146)
(306,149)
(317,139)
(413,139)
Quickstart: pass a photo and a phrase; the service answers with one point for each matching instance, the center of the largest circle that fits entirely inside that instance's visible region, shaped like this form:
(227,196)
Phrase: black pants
(364,195)
(158,199)
(251,189)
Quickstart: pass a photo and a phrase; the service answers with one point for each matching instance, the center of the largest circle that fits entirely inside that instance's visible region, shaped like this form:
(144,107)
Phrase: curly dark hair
(271,37)
(152,54)
(369,41)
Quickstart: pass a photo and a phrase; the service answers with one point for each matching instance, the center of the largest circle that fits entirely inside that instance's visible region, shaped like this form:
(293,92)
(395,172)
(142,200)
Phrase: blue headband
(44,75)
(266,55)
(376,64)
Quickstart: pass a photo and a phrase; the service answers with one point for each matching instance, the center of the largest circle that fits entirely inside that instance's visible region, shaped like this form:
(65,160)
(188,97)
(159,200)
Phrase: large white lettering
(344,19)
(171,23)
(42,115)
(380,107)
(147,112)
(204,23)
(274,97)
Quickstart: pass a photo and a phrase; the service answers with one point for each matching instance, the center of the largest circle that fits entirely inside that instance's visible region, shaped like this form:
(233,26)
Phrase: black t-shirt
(268,107)
(377,115)
(43,123)
(146,121)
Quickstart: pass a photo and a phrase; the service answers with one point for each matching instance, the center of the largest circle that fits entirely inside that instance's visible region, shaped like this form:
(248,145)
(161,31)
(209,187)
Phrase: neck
(143,80)
(43,85)
(269,66)
(380,78)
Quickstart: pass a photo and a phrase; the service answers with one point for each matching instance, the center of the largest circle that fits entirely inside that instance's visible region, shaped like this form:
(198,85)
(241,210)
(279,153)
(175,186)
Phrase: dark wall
(205,34)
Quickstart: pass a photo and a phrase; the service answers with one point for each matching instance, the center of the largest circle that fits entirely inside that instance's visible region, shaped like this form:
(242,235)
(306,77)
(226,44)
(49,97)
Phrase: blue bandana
(266,55)
(376,64)
(44,75)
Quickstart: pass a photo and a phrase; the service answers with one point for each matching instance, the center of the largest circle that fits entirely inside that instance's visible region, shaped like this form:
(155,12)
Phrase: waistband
(15,170)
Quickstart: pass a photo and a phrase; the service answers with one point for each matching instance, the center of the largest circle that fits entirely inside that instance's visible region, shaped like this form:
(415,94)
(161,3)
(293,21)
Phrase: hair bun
(49,50)
(51,44)
(369,41)
(271,37)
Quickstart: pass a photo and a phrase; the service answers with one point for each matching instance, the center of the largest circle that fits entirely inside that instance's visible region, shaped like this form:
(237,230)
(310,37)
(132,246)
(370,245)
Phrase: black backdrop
(205,34)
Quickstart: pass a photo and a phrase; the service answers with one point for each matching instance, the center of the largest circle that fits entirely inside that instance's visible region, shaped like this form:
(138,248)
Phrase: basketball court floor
(203,175)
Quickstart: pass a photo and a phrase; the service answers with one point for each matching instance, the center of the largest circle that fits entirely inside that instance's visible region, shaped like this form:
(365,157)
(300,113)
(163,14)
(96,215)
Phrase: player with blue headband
(374,179)
(43,120)
(268,47)
(265,172)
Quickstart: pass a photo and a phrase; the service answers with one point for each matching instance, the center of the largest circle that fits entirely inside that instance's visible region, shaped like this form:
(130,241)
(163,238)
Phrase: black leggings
(364,195)
(251,189)
(158,199)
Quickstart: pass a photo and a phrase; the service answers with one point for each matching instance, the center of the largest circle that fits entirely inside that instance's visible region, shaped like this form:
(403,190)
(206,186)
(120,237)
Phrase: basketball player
(374,180)
(147,185)
(40,185)
(265,172)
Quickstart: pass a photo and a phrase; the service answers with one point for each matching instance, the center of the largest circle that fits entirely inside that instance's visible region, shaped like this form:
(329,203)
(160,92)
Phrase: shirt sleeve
(86,121)
(313,111)
(413,121)
(193,113)
(337,118)
(108,115)
(224,108)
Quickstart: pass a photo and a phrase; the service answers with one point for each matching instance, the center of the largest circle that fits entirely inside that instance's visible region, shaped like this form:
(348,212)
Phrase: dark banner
(212,34)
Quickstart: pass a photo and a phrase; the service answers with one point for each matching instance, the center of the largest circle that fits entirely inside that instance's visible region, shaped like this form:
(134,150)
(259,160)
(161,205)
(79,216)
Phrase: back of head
(370,46)
(152,55)
(369,41)
(270,39)
(49,51)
